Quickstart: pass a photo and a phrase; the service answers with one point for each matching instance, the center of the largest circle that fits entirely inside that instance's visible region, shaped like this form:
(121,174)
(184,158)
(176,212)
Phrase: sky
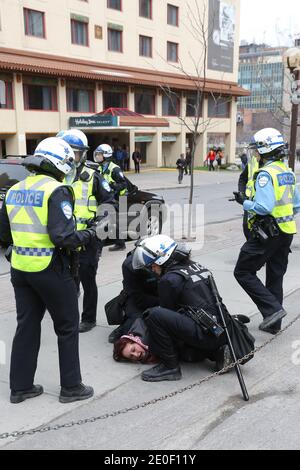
(274,22)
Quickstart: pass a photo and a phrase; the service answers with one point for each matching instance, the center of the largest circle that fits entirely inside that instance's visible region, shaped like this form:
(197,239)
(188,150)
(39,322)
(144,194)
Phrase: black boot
(19,397)
(272,319)
(223,358)
(160,373)
(79,393)
(117,248)
(115,335)
(86,326)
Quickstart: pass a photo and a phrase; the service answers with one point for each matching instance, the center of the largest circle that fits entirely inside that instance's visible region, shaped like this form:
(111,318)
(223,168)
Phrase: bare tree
(200,26)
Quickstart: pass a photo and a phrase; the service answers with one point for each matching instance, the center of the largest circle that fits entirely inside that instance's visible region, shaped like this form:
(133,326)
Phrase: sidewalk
(212,410)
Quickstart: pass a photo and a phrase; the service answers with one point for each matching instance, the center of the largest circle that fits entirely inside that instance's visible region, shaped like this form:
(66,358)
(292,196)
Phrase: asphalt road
(210,416)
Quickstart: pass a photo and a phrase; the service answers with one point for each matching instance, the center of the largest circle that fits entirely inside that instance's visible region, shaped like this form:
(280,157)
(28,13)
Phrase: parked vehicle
(150,213)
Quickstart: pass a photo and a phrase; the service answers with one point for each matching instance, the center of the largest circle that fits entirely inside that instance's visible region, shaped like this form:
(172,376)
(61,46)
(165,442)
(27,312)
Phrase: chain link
(154,401)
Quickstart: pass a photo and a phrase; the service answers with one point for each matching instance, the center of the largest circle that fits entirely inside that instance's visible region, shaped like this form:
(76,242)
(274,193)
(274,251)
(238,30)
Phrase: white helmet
(266,141)
(154,250)
(102,152)
(79,143)
(59,154)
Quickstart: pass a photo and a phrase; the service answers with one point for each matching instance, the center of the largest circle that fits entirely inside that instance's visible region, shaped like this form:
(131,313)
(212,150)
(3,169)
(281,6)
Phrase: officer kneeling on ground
(272,225)
(37,220)
(140,292)
(183,291)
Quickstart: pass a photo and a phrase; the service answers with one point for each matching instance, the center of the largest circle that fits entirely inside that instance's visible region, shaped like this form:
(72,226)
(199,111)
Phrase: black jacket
(140,286)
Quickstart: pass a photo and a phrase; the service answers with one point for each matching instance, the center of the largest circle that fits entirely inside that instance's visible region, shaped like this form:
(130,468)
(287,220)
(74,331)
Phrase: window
(146,8)
(173,15)
(40,97)
(191,103)
(172,52)
(170,105)
(115,99)
(114,4)
(115,40)
(6,99)
(145,101)
(219,106)
(80,98)
(145,46)
(79,31)
(34,23)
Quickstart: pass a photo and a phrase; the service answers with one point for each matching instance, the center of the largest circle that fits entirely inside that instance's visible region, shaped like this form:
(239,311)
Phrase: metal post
(294,128)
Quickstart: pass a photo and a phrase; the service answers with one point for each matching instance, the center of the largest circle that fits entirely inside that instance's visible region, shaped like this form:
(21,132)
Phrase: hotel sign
(94,121)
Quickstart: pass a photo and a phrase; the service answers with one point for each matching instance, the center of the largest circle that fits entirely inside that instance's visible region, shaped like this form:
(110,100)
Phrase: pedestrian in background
(136,157)
(188,163)
(181,163)
(210,159)
(126,159)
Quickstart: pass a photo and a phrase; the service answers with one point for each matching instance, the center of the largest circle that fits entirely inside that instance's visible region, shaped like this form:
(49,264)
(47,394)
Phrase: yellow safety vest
(85,203)
(27,208)
(253,167)
(284,182)
(107,174)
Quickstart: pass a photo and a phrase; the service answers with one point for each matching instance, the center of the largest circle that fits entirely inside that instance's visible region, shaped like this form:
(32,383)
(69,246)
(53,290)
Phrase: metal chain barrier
(146,404)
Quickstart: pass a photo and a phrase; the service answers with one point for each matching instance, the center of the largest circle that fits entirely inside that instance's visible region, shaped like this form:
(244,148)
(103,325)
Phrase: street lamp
(292,57)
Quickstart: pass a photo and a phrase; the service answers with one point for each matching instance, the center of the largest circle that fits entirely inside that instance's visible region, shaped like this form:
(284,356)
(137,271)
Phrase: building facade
(64,61)
(263,72)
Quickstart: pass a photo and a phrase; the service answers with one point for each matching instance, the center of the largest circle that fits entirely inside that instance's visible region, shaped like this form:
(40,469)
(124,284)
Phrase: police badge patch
(67,209)
(263,180)
(106,186)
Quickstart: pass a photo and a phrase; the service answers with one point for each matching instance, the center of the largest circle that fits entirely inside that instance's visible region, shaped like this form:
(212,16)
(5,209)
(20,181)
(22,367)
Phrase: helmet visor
(141,258)
(98,157)
(70,177)
(80,156)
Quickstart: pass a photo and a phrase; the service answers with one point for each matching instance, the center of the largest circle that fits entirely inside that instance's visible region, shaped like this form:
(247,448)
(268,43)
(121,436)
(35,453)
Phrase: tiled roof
(36,63)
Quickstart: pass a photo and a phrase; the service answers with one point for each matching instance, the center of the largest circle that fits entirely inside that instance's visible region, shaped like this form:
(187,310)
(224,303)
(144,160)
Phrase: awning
(35,63)
(128,118)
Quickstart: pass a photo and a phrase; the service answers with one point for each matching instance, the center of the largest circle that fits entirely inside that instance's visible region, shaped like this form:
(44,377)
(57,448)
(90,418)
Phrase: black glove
(99,228)
(240,197)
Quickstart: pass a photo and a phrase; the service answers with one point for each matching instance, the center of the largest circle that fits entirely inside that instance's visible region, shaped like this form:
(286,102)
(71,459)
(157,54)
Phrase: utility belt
(264,228)
(205,320)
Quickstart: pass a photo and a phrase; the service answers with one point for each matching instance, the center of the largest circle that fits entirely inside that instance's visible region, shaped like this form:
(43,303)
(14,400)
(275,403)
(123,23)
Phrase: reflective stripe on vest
(107,174)
(284,182)
(85,203)
(253,167)
(27,208)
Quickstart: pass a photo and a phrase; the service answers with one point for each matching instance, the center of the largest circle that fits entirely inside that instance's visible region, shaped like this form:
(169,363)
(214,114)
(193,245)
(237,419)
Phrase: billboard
(221,35)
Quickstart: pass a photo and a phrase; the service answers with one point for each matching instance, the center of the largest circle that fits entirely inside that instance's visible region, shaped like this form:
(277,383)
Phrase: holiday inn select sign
(94,121)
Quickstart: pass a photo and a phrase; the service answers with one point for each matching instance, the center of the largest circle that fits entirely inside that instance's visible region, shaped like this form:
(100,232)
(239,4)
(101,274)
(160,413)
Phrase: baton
(230,345)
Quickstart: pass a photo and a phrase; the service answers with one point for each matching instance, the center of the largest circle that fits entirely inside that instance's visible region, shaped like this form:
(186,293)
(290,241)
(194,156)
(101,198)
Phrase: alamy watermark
(136,221)
(2,353)
(296,354)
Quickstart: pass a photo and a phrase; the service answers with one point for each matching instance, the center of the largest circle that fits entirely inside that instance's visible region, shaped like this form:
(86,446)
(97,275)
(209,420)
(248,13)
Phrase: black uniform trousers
(254,255)
(54,290)
(88,267)
(168,328)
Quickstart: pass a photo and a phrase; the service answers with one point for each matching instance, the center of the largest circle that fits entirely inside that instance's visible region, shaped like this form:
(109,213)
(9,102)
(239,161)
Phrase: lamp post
(292,57)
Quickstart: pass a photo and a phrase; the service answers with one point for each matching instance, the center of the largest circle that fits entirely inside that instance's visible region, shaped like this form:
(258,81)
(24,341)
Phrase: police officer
(91,191)
(246,187)
(272,225)
(140,287)
(182,284)
(37,220)
(114,176)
